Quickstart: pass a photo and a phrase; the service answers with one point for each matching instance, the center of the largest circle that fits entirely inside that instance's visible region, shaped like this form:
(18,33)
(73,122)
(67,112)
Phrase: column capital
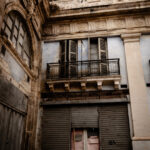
(131,37)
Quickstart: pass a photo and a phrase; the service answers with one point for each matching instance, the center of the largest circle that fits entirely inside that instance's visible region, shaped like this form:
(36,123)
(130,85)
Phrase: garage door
(114,127)
(56,129)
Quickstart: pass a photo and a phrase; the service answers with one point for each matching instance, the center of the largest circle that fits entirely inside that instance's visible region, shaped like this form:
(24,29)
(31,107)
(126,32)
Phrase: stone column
(138,92)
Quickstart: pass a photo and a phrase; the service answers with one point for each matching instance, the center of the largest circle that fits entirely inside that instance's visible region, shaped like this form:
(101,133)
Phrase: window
(15,30)
(83,49)
(83,56)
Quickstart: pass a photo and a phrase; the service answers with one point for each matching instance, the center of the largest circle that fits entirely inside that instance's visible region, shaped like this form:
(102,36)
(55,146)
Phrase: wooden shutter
(84,117)
(63,58)
(103,55)
(114,127)
(72,57)
(56,129)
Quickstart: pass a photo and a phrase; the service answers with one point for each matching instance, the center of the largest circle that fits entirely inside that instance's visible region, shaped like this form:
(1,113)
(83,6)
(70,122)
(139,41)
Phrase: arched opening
(15,29)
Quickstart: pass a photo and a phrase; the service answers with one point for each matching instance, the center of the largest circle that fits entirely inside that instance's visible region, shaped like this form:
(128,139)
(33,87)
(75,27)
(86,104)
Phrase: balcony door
(83,57)
(98,56)
(68,58)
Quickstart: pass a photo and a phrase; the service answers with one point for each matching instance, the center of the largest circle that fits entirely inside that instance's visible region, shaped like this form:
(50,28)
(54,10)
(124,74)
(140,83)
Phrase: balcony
(78,69)
(83,72)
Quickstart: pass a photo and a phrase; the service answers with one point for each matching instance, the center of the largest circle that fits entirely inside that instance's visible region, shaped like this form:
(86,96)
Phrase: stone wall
(14,69)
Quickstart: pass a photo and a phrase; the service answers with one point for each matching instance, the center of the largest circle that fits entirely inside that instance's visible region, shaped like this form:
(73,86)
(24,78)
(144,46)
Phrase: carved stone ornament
(29,4)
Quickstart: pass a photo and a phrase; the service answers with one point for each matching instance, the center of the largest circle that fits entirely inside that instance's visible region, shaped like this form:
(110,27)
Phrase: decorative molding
(69,4)
(64,28)
(131,37)
(99,25)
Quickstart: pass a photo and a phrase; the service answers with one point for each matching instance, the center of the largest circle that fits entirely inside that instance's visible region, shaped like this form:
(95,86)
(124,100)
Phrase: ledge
(111,9)
(99,81)
(92,101)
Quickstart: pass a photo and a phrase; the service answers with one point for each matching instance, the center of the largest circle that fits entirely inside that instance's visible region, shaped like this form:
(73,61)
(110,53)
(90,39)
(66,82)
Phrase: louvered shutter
(56,129)
(72,57)
(114,127)
(103,56)
(63,65)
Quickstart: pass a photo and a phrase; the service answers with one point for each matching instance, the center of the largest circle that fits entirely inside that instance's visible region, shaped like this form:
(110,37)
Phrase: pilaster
(138,91)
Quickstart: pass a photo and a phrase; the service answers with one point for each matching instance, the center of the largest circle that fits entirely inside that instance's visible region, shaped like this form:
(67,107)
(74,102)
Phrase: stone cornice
(133,37)
(76,4)
(141,138)
(106,26)
(112,9)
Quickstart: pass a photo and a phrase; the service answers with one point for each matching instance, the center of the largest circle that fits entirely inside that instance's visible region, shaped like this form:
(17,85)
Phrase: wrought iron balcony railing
(78,69)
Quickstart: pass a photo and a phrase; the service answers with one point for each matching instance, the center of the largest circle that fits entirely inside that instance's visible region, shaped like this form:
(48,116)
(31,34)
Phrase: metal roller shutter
(56,129)
(114,127)
(84,117)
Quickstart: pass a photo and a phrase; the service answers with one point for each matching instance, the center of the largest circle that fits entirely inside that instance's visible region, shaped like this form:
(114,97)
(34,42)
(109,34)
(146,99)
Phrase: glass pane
(15,32)
(83,50)
(7,31)
(94,48)
(9,23)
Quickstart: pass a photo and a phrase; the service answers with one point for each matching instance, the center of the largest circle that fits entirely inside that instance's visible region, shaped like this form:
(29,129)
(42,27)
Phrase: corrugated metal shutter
(13,108)
(114,127)
(56,129)
(84,117)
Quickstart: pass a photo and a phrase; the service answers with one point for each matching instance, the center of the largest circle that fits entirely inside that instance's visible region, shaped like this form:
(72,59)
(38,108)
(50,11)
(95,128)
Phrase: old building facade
(75,75)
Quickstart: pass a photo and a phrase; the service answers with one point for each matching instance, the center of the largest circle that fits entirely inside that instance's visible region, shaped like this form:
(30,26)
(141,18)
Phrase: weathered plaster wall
(145,53)
(50,54)
(141,145)
(116,50)
(14,68)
